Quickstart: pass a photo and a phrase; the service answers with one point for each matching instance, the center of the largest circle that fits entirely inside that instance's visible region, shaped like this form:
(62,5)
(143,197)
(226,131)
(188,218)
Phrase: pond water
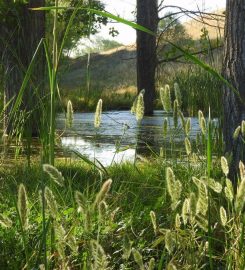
(119,130)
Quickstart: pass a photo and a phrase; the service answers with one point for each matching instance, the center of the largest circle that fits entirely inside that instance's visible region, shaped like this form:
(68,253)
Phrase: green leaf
(105,14)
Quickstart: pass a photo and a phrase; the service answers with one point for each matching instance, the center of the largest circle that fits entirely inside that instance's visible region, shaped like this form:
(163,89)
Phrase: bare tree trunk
(147,16)
(234,72)
(19,40)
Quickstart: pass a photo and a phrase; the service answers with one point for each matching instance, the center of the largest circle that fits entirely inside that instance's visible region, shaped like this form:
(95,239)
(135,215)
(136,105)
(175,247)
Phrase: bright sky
(124,9)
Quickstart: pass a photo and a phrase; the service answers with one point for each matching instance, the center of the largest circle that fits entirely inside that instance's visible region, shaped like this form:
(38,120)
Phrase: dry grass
(213,24)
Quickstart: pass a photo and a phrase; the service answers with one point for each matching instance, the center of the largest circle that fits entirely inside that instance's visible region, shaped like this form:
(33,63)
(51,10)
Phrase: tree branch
(182,55)
(196,12)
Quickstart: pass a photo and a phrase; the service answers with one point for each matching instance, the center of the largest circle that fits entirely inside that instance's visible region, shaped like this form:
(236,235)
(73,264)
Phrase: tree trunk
(20,38)
(234,72)
(147,16)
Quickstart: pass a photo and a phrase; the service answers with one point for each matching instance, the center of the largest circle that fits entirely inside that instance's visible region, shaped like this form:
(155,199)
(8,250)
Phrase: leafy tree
(21,30)
(171,29)
(84,24)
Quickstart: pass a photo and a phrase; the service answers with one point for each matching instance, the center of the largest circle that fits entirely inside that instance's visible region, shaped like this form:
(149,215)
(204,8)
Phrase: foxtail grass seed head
(211,183)
(194,158)
(51,202)
(165,127)
(169,241)
(229,191)
(23,206)
(193,204)
(202,222)
(69,114)
(185,211)
(214,185)
(202,205)
(177,221)
(224,166)
(236,132)
(154,221)
(60,232)
(196,181)
(175,113)
(240,197)
(200,115)
(133,108)
(175,204)
(170,177)
(243,128)
(187,146)
(72,243)
(102,208)
(5,222)
(60,245)
(182,119)
(103,192)
(202,122)
(99,256)
(223,216)
(188,126)
(203,126)
(177,93)
(171,266)
(98,113)
(174,187)
(138,258)
(242,170)
(202,201)
(140,107)
(166,98)
(177,190)
(151,265)
(127,247)
(54,174)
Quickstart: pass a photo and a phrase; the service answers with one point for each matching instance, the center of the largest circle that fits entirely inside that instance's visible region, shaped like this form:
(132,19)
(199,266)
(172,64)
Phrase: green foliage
(84,24)
(108,44)
(171,30)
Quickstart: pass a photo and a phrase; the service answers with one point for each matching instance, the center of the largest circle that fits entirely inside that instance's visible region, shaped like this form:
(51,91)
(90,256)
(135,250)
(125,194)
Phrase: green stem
(53,89)
(209,165)
(44,238)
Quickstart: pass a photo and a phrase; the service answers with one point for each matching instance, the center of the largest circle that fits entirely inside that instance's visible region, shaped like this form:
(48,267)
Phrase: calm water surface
(118,128)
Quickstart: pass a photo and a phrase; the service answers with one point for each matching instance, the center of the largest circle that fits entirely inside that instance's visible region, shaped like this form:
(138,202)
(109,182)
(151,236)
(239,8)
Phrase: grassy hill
(113,73)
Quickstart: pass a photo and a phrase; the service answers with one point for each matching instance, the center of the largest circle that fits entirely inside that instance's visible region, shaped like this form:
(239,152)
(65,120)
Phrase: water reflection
(105,153)
(118,130)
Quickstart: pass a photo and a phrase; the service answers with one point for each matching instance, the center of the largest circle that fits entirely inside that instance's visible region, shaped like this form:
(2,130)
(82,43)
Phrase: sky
(124,9)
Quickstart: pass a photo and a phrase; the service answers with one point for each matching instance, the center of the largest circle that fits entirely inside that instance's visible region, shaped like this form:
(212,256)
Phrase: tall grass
(163,213)
(108,225)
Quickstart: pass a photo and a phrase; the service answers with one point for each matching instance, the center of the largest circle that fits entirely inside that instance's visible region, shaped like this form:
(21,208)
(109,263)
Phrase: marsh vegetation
(171,204)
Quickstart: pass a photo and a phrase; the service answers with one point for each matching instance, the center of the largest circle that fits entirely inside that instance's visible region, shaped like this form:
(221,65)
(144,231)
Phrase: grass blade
(104,14)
